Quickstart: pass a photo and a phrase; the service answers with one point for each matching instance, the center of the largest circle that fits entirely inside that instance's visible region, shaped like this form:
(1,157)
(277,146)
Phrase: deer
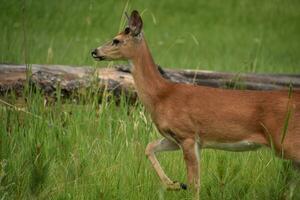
(192,117)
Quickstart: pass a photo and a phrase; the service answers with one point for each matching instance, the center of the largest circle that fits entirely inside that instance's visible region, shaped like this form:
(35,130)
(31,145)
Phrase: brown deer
(191,117)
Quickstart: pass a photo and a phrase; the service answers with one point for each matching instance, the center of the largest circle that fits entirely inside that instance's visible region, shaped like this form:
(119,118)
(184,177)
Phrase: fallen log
(117,79)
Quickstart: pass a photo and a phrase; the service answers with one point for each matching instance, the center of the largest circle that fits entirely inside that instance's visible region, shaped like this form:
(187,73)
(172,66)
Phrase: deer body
(193,117)
(220,116)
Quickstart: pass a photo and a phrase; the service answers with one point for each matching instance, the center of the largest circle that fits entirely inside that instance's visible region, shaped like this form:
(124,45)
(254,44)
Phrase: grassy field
(91,151)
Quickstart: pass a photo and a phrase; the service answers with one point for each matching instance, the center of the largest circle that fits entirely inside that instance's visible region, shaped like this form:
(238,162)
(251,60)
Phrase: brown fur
(230,116)
(190,116)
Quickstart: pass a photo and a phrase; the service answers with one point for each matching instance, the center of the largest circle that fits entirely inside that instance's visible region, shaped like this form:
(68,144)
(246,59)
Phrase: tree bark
(117,79)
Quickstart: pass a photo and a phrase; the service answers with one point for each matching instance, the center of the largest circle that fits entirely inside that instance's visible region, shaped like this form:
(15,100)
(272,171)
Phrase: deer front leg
(191,157)
(159,146)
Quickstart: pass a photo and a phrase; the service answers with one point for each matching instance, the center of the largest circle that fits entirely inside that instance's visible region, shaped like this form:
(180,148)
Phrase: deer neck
(148,81)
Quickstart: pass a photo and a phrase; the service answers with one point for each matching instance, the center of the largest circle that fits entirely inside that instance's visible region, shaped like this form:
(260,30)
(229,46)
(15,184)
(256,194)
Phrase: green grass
(241,36)
(85,150)
(91,151)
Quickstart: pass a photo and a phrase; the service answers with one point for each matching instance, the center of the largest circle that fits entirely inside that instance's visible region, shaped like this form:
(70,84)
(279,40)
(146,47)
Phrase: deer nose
(94,53)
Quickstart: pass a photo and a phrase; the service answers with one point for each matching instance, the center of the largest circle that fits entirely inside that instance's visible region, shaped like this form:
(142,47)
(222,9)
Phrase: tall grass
(87,150)
(91,151)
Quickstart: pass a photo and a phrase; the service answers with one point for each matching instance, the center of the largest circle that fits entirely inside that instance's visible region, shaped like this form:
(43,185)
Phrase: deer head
(123,45)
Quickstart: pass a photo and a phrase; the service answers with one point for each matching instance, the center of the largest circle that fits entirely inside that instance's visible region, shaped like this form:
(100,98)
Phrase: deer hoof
(183,186)
(176,186)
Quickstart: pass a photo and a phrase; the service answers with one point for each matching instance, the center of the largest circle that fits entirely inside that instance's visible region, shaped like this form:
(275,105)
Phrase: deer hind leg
(191,157)
(159,146)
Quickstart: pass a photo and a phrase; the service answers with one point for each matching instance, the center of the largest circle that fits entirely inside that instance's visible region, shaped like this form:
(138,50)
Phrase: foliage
(84,150)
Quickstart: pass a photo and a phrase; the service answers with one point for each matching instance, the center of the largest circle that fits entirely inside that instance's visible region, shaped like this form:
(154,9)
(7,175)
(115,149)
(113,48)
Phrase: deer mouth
(99,58)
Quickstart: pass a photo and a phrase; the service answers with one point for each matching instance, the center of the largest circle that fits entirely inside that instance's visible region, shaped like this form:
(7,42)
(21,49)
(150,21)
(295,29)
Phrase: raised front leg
(159,146)
(191,157)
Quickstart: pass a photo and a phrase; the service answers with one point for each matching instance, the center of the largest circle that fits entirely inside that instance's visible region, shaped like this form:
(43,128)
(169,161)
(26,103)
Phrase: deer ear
(135,23)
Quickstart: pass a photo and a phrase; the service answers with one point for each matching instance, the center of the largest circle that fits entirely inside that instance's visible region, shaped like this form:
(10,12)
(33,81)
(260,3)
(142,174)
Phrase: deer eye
(127,30)
(115,41)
